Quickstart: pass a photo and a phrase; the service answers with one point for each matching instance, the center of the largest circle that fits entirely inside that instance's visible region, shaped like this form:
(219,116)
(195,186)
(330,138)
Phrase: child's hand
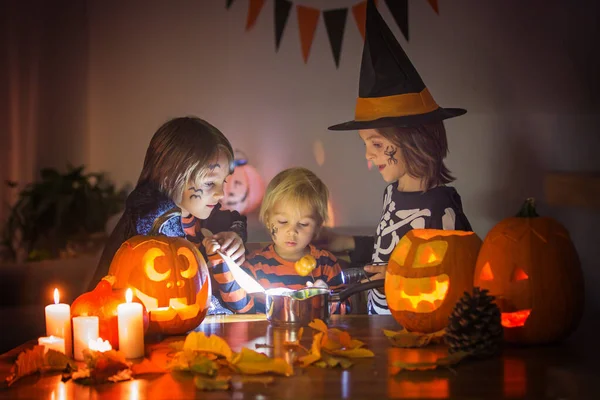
(378,270)
(319,283)
(211,245)
(231,244)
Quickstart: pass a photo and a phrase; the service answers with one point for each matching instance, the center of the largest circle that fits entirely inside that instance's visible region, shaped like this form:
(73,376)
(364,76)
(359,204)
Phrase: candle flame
(129,295)
(56,296)
(99,345)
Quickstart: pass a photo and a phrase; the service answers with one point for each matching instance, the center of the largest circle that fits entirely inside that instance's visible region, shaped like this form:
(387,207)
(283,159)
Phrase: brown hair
(423,148)
(180,151)
(299,186)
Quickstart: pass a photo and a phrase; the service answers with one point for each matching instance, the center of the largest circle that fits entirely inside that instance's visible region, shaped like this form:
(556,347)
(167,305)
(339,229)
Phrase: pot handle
(361,287)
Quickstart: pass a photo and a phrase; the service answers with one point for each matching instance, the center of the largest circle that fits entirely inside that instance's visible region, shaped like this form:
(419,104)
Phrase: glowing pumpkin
(428,272)
(102,302)
(169,276)
(244,189)
(531,266)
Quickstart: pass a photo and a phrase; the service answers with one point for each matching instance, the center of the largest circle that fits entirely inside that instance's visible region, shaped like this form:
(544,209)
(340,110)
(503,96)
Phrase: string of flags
(335,21)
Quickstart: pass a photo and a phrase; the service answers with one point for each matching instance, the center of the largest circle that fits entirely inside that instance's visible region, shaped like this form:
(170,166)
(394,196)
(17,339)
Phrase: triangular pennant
(399,10)
(335,22)
(434,5)
(254,8)
(360,15)
(307,23)
(229,3)
(282,12)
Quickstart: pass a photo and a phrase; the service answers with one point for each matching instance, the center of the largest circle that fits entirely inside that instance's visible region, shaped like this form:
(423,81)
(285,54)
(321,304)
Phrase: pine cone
(474,325)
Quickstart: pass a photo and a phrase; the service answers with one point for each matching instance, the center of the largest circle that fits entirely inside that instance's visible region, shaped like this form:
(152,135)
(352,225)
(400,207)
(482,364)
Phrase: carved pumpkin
(530,265)
(169,276)
(102,302)
(244,189)
(428,271)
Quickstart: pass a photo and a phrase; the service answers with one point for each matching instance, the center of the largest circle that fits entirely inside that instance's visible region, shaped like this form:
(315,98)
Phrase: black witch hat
(391,92)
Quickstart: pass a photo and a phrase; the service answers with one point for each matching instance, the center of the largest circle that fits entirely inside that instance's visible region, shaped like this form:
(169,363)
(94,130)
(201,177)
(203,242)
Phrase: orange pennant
(307,22)
(254,8)
(360,16)
(434,5)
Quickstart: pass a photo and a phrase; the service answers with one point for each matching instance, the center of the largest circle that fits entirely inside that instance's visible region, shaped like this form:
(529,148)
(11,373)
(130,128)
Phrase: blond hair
(300,187)
(423,149)
(180,152)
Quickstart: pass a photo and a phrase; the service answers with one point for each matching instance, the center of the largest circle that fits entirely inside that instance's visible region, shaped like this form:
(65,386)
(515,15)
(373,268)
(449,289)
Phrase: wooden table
(564,371)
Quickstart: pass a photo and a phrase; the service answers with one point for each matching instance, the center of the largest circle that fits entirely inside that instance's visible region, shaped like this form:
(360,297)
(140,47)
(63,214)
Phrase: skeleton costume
(437,208)
(392,94)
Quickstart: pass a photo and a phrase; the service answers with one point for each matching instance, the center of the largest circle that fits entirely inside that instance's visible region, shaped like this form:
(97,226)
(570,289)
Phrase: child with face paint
(293,210)
(180,186)
(405,139)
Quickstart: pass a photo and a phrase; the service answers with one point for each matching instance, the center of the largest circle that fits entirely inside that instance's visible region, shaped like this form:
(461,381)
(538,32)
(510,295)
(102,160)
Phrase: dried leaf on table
(35,360)
(265,379)
(195,362)
(177,346)
(314,354)
(212,384)
(318,325)
(452,359)
(353,353)
(146,367)
(406,339)
(332,362)
(251,362)
(198,341)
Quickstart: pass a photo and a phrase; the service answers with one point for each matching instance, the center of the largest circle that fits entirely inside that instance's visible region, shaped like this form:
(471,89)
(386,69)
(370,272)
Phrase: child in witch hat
(401,125)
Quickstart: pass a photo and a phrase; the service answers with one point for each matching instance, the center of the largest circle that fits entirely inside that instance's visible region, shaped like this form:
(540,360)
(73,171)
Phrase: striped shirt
(272,271)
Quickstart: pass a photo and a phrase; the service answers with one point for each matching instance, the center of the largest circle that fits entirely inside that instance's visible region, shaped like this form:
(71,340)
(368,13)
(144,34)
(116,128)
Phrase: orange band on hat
(400,105)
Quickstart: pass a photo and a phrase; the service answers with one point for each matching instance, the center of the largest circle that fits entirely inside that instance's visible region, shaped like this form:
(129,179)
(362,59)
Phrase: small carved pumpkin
(428,271)
(531,266)
(169,276)
(244,189)
(102,302)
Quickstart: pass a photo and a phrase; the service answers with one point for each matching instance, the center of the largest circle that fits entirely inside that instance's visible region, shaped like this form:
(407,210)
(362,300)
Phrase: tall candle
(84,330)
(58,322)
(131,327)
(52,342)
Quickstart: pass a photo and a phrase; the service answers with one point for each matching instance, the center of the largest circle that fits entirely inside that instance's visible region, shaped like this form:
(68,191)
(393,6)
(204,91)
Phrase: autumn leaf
(314,354)
(34,360)
(254,379)
(146,367)
(177,346)
(332,362)
(212,384)
(318,325)
(353,353)
(191,361)
(447,361)
(251,362)
(406,339)
(198,341)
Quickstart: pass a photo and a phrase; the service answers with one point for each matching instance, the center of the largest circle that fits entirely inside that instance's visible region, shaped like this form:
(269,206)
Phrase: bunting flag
(282,12)
(335,21)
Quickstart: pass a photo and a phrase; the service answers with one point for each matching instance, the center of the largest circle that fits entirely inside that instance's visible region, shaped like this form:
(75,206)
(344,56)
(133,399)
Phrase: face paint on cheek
(391,151)
(197,193)
(273,232)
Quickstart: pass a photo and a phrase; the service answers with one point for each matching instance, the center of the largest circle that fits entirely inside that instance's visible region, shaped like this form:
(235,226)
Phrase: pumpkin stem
(158,222)
(528,209)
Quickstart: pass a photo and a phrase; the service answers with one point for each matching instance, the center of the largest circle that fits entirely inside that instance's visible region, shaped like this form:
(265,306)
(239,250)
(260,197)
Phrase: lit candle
(58,322)
(84,330)
(99,345)
(131,327)
(52,342)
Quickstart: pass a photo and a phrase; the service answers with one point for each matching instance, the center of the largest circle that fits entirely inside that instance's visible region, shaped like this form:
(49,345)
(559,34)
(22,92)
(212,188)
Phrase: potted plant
(54,234)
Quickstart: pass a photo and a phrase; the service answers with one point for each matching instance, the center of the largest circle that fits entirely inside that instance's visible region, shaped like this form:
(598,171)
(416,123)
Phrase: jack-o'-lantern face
(244,189)
(530,265)
(427,273)
(169,276)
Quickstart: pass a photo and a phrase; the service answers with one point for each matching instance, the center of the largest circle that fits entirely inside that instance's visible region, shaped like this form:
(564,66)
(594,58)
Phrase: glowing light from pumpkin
(56,296)
(420,294)
(99,345)
(486,273)
(430,254)
(520,275)
(515,319)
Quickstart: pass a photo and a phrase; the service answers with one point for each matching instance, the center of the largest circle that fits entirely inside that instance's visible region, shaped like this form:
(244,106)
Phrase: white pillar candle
(52,342)
(58,322)
(131,327)
(84,330)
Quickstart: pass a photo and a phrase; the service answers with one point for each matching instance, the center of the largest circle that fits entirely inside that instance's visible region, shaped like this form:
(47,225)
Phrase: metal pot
(299,307)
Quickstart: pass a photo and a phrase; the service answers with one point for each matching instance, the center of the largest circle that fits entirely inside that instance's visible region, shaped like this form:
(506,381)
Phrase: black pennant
(335,22)
(399,10)
(282,12)
(229,3)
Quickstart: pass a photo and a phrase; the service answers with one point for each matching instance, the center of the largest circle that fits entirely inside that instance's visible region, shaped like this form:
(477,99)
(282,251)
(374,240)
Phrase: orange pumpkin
(169,275)
(305,265)
(531,266)
(428,272)
(102,302)
(244,189)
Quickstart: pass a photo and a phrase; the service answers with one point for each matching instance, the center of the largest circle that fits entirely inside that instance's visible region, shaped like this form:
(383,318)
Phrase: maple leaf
(192,361)
(252,362)
(447,361)
(406,339)
(36,360)
(198,341)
